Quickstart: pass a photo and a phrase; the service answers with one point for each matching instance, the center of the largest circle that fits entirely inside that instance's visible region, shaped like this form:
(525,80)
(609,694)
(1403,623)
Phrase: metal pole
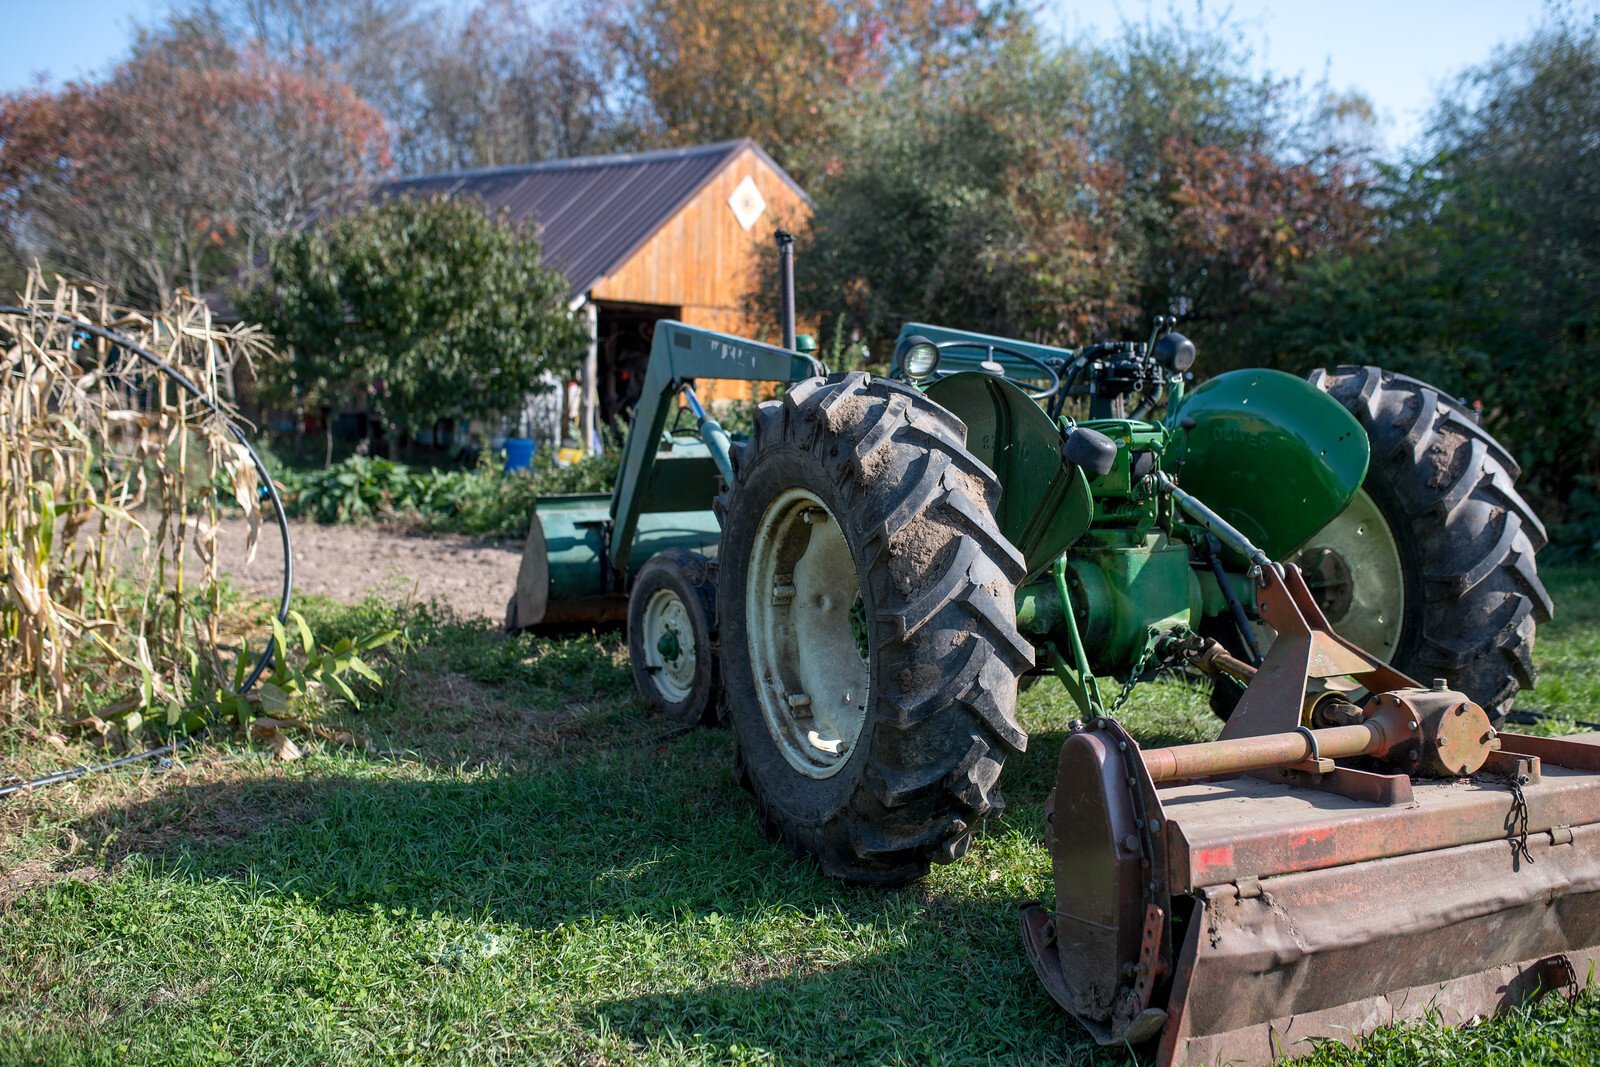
(1240,619)
(591,378)
(1393,725)
(786,286)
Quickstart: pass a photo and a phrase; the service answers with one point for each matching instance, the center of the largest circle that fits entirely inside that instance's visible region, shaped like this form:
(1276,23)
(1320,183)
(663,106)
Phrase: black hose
(264,663)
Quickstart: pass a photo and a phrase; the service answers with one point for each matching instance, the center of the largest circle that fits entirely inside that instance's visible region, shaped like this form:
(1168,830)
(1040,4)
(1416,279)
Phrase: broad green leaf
(280,645)
(344,689)
(241,666)
(272,696)
(377,640)
(307,645)
(365,671)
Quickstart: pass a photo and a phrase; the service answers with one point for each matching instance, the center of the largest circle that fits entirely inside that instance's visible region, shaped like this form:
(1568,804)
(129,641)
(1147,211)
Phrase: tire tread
(939,737)
(1475,533)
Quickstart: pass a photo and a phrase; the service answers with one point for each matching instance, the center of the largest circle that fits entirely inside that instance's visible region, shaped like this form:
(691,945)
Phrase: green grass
(527,867)
(1568,651)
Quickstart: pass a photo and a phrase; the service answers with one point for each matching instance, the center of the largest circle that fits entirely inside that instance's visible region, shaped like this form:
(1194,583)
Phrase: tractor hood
(1275,456)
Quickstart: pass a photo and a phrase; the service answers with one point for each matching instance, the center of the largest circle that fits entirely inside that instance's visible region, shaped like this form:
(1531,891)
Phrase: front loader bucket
(565,579)
(1243,919)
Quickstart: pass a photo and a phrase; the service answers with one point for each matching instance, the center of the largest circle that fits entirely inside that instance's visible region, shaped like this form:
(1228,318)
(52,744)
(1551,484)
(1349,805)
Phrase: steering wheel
(990,365)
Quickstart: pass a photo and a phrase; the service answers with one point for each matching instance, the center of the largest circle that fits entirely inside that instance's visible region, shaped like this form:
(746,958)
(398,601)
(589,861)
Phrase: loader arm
(678,355)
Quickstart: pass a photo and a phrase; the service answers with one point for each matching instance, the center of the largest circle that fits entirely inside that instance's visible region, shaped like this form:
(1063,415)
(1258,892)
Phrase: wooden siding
(702,260)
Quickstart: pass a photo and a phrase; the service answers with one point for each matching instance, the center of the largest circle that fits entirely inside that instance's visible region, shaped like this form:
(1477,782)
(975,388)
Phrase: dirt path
(474,576)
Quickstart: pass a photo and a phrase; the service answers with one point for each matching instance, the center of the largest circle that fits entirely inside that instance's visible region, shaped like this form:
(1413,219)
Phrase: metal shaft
(1240,619)
(1212,522)
(1244,754)
(1234,666)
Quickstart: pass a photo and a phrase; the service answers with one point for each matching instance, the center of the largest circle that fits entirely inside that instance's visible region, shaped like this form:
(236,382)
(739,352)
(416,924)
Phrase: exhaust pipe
(786,286)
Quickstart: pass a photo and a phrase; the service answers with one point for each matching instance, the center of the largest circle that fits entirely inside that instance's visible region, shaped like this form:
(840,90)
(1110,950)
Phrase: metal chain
(1151,638)
(1517,819)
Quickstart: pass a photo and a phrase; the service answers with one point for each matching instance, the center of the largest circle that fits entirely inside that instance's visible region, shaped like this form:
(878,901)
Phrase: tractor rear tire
(868,628)
(671,630)
(1466,538)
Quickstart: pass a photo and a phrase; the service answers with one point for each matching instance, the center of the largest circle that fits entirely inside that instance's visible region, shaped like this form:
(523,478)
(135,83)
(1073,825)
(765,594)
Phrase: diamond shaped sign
(747,203)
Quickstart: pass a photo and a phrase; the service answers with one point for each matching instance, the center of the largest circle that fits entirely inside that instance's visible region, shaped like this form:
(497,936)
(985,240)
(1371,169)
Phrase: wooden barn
(673,234)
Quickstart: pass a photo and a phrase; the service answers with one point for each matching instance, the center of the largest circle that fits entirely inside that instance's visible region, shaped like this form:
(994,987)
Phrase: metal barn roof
(594,212)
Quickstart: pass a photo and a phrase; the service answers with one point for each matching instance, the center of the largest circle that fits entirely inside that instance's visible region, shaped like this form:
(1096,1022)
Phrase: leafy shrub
(355,488)
(424,304)
(1577,533)
(300,668)
(484,501)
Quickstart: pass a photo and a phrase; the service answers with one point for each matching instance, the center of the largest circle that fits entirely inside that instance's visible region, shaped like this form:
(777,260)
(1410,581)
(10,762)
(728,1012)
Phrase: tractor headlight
(918,358)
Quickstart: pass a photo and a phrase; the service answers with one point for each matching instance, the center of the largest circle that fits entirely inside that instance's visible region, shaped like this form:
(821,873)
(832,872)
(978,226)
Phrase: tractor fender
(1269,452)
(1044,500)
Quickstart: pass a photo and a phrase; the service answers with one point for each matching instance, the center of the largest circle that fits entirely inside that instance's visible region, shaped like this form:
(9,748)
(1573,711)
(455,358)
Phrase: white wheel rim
(806,634)
(669,649)
(1353,568)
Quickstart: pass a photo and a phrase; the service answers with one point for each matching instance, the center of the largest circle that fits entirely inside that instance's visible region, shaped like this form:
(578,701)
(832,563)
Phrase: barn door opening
(624,333)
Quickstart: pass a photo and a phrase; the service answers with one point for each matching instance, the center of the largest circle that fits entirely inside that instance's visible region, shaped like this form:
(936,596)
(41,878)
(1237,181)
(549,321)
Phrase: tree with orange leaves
(171,170)
(713,70)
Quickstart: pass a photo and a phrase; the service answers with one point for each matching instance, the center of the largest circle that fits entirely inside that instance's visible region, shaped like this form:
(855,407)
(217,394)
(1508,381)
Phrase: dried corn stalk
(107,471)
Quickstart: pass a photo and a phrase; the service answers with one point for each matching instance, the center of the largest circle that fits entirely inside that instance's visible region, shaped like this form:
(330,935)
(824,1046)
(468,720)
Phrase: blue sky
(1398,52)
(65,38)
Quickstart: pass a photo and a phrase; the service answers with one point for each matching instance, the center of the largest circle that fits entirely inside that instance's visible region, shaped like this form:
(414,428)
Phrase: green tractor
(861,586)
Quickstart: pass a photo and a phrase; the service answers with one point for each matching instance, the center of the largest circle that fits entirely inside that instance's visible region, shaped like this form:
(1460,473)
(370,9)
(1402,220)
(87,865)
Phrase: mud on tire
(942,651)
(1467,538)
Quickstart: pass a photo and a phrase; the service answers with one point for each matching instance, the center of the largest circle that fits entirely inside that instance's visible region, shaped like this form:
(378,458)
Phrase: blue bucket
(519,453)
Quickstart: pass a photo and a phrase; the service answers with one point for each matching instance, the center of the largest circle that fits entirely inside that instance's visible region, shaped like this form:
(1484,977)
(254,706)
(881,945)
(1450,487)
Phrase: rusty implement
(1319,871)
